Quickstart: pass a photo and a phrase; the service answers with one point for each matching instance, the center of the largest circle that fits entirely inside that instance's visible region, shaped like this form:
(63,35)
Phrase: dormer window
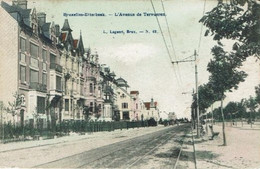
(34,27)
(123,96)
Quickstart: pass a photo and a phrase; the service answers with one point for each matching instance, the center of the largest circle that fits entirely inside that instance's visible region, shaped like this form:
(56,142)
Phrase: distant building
(135,106)
(151,110)
(123,100)
(172,116)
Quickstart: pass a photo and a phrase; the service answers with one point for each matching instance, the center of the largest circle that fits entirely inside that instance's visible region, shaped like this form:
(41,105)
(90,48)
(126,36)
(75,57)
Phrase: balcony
(108,90)
(92,78)
(56,67)
(38,87)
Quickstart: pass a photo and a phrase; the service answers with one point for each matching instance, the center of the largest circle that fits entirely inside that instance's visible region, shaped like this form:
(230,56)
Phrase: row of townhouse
(55,77)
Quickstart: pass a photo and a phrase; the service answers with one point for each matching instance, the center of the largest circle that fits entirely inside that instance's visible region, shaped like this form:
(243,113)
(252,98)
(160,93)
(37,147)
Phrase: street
(158,149)
(155,149)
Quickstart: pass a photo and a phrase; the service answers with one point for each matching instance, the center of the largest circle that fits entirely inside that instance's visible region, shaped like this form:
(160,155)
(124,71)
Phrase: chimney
(41,18)
(57,30)
(20,3)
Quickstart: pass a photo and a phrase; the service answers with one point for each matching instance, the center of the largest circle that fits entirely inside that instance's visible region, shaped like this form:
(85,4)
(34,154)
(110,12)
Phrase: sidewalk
(33,153)
(242,150)
(76,137)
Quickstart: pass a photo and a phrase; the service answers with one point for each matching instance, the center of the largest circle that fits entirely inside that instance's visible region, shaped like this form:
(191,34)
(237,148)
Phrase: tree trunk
(250,119)
(207,123)
(212,117)
(223,123)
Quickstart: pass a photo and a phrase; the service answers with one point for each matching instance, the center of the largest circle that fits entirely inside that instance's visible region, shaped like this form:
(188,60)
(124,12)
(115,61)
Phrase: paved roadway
(158,150)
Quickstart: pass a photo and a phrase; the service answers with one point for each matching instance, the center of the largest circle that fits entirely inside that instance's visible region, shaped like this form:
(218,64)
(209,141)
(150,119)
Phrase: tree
(224,76)
(238,21)
(232,108)
(13,106)
(86,112)
(251,104)
(2,122)
(206,97)
(257,92)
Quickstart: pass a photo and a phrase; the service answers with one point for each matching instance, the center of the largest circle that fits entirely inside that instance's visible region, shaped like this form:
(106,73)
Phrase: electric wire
(173,49)
(164,41)
(204,8)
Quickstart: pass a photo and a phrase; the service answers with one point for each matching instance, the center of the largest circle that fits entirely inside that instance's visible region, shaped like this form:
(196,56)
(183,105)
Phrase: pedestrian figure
(203,127)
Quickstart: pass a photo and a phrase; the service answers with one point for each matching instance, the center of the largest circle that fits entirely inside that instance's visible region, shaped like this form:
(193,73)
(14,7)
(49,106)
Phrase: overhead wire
(164,40)
(169,32)
(201,28)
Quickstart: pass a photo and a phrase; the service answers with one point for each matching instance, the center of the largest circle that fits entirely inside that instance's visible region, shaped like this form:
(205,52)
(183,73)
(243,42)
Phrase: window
(44,66)
(58,83)
(22,58)
(124,105)
(81,88)
(126,115)
(34,76)
(44,55)
(44,78)
(40,105)
(22,100)
(136,106)
(66,104)
(78,115)
(99,91)
(91,107)
(23,74)
(52,58)
(91,88)
(34,50)
(34,62)
(22,44)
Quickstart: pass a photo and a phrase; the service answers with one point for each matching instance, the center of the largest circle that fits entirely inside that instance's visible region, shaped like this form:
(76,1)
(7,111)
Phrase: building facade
(48,77)
(32,40)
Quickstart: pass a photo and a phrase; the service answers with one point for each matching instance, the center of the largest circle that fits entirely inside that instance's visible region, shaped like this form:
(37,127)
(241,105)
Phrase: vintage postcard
(129,84)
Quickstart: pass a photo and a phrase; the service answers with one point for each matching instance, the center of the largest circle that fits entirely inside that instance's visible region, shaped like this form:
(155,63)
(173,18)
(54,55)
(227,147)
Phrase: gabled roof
(75,43)
(155,104)
(147,105)
(64,36)
(46,27)
(112,74)
(134,92)
(66,26)
(121,82)
(25,13)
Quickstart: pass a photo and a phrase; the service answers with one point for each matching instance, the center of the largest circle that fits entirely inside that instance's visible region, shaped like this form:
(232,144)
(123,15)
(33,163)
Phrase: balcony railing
(56,67)
(91,78)
(39,87)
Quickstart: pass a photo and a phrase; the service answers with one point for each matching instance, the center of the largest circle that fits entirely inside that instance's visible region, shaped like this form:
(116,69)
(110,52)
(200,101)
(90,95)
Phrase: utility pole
(196,87)
(197,94)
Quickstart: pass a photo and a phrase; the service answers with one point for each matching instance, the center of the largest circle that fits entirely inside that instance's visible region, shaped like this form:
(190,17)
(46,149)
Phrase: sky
(142,58)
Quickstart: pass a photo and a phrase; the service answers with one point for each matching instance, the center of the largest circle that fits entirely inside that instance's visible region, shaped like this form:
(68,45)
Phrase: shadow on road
(189,142)
(204,155)
(172,153)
